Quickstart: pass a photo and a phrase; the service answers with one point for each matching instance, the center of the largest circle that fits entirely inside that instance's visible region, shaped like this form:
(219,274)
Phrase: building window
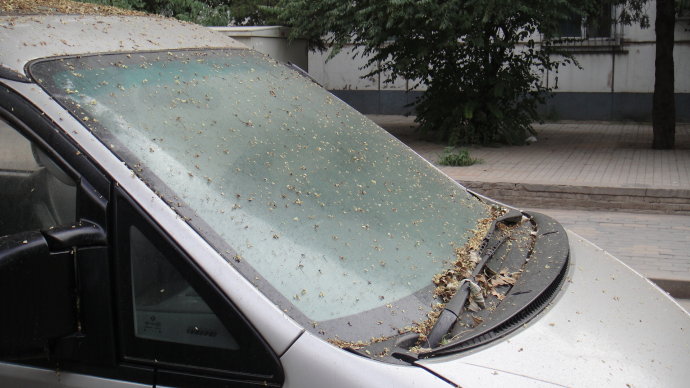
(598,24)
(684,9)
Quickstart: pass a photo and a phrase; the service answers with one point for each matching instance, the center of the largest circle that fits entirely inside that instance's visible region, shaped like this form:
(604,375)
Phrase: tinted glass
(166,307)
(34,192)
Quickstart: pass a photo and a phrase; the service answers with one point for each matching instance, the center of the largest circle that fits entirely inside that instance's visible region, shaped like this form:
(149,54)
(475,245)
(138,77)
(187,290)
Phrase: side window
(34,192)
(166,306)
(172,317)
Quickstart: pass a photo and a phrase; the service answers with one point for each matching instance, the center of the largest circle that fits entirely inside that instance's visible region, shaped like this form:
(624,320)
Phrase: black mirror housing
(37,296)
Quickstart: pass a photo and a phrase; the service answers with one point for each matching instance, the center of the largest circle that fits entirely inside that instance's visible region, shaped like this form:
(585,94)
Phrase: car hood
(608,327)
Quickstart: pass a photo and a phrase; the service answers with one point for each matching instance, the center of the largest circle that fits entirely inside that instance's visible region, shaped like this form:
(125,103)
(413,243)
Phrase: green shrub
(457,158)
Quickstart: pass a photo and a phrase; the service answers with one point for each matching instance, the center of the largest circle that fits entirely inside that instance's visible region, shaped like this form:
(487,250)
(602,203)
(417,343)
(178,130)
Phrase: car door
(98,295)
(55,279)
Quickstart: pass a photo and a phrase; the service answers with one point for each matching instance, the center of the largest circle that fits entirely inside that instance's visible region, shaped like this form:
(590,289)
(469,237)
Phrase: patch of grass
(458,158)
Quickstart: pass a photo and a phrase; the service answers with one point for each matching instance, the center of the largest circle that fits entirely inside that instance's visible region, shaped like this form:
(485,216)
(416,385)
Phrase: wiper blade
(546,265)
(455,305)
(538,249)
(397,346)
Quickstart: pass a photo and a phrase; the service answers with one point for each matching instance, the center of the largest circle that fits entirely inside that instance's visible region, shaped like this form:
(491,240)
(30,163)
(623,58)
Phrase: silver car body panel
(311,362)
(609,326)
(331,367)
(98,34)
(14,375)
(276,327)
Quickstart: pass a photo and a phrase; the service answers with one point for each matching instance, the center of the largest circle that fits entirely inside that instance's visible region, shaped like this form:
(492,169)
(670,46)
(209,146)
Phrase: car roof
(24,38)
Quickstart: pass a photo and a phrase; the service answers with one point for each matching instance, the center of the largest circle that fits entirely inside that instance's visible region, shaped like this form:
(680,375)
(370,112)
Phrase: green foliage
(633,11)
(204,12)
(481,60)
(461,157)
(125,4)
(252,12)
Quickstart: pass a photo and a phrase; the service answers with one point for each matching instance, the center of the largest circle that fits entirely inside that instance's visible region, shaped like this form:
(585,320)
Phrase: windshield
(324,211)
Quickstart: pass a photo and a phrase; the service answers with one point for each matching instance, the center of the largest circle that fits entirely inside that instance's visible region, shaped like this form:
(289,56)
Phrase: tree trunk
(664,105)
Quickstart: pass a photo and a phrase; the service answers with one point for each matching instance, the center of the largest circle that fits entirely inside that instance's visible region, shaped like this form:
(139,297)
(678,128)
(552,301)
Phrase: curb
(679,289)
(648,200)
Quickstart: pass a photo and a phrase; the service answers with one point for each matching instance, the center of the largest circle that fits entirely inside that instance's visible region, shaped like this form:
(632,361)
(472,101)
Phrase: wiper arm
(397,347)
(539,251)
(545,269)
(454,307)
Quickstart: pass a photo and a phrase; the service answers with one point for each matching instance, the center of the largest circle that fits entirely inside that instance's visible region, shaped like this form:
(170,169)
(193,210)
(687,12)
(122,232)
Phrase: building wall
(614,82)
(271,40)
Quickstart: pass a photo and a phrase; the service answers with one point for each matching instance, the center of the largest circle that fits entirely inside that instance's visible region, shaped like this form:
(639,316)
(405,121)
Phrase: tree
(483,84)
(482,88)
(204,12)
(663,104)
(251,12)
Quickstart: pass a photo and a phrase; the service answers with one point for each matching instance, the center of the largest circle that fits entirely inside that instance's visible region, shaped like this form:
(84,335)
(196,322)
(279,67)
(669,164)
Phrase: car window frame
(96,191)
(94,353)
(141,351)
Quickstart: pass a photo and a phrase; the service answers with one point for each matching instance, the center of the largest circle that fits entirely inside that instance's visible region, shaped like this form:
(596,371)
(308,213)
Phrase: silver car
(178,210)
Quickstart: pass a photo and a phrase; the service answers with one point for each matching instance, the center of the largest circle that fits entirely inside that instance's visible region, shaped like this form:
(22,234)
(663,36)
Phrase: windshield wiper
(397,348)
(456,304)
(537,256)
(544,268)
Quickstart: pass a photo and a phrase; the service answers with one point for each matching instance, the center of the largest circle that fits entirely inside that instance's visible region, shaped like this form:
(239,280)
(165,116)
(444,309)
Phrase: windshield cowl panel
(335,220)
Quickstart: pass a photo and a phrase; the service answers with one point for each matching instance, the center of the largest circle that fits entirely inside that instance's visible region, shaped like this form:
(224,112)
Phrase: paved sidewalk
(593,165)
(578,173)
(656,245)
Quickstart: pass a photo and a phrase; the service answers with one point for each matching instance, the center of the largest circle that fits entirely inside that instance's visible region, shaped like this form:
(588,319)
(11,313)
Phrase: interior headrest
(53,169)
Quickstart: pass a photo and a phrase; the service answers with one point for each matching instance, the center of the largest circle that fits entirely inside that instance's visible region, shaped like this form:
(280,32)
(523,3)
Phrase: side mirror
(38,290)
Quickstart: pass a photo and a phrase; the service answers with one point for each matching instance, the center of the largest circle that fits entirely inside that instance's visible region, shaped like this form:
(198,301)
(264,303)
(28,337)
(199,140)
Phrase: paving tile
(650,250)
(620,158)
(593,160)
